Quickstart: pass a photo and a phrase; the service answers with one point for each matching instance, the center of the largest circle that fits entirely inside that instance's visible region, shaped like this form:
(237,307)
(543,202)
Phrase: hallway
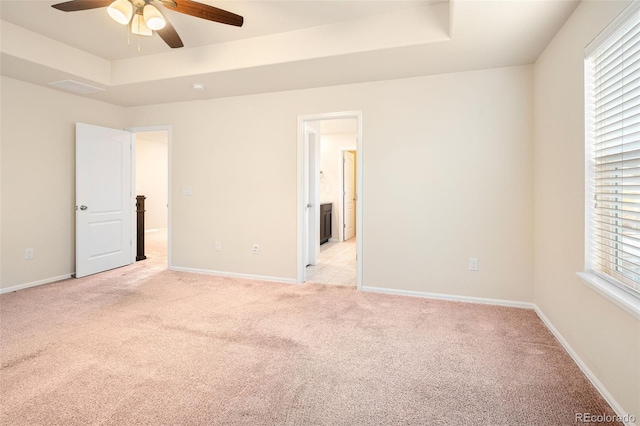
(336,264)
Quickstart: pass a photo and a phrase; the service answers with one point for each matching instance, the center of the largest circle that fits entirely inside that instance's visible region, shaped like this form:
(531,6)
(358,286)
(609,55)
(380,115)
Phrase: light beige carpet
(143,345)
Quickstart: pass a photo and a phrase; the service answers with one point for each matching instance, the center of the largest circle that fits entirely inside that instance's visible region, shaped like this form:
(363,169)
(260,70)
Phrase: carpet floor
(144,345)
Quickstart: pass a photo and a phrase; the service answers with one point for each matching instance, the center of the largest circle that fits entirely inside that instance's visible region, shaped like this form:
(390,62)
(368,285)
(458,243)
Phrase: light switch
(187,191)
(474,264)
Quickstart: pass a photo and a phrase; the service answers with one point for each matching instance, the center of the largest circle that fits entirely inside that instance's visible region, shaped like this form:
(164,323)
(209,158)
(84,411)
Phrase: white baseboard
(35,283)
(500,302)
(234,275)
(627,419)
(586,370)
(576,358)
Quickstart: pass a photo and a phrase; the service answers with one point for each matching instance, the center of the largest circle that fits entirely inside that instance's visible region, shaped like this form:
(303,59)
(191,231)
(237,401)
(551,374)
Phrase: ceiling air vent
(76,86)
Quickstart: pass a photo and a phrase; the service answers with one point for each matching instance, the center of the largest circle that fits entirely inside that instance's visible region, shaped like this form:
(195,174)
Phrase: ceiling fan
(143,17)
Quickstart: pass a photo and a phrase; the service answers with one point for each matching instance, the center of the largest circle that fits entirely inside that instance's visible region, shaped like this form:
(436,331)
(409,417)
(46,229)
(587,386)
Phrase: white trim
(603,284)
(134,201)
(515,304)
(301,275)
(35,283)
(167,128)
(586,370)
(625,300)
(234,275)
(334,240)
(452,297)
(613,27)
(311,185)
(527,305)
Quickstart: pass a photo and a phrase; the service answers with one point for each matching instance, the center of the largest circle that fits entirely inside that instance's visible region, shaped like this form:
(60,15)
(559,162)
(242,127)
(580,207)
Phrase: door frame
(168,129)
(303,194)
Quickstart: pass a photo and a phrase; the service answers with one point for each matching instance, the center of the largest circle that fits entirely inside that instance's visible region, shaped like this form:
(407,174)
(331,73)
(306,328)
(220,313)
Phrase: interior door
(349,202)
(104,199)
(312,192)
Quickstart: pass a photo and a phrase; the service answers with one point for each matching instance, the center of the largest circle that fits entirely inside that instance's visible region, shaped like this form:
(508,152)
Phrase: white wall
(331,147)
(447,176)
(38,178)
(604,336)
(152,176)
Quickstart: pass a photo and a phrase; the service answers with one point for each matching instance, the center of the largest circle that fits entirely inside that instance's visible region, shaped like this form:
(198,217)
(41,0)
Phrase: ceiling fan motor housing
(122,11)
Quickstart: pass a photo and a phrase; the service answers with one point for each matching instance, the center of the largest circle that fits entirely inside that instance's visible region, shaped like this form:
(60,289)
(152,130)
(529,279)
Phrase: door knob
(83,207)
(309,206)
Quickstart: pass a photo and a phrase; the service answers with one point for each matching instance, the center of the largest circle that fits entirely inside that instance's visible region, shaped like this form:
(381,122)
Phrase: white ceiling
(283,45)
(95,32)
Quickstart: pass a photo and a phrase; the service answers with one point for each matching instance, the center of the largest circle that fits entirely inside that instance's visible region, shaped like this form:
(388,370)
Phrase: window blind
(614,78)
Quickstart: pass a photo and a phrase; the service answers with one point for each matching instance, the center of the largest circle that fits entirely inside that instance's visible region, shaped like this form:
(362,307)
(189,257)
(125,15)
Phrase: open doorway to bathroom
(335,182)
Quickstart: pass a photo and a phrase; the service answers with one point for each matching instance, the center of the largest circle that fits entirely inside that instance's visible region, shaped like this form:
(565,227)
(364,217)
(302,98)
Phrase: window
(612,80)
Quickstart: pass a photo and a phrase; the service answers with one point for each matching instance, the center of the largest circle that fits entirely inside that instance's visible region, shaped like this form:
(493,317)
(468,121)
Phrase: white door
(349,202)
(312,192)
(104,199)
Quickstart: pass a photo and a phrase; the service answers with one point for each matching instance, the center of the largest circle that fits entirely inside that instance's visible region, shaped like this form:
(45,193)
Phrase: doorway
(152,181)
(349,195)
(324,203)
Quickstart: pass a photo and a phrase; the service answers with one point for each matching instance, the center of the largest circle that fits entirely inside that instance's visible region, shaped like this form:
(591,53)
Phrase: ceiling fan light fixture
(121,11)
(139,27)
(153,18)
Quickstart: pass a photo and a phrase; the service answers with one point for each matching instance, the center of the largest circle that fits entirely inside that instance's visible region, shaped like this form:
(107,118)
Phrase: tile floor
(336,264)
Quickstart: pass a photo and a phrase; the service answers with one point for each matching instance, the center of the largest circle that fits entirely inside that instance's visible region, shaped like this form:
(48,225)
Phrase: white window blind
(613,126)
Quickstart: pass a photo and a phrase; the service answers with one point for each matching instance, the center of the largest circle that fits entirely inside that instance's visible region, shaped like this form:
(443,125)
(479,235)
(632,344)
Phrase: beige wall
(447,176)
(38,178)
(604,336)
(152,176)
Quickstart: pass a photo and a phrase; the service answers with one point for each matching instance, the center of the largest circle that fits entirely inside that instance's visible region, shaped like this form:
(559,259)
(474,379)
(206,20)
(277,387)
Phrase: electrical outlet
(28,253)
(218,246)
(255,248)
(474,264)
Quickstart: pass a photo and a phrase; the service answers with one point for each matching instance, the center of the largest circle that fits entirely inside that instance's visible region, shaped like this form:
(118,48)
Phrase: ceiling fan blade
(170,35)
(204,11)
(76,5)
